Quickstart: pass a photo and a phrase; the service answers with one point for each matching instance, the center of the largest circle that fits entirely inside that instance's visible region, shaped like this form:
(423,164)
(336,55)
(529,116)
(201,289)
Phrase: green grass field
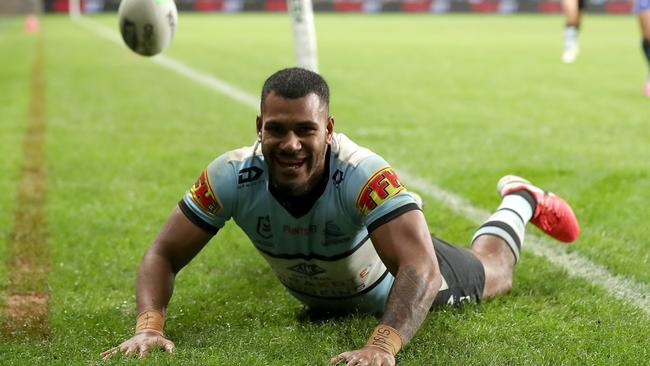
(457,100)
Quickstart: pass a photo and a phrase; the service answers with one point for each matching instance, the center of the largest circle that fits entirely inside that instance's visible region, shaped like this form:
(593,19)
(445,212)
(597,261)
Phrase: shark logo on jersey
(248,175)
(307,269)
(333,234)
(264,227)
(203,195)
(332,230)
(381,186)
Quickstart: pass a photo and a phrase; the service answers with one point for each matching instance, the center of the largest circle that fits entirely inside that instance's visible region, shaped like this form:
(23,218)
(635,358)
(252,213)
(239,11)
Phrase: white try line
(621,287)
(199,77)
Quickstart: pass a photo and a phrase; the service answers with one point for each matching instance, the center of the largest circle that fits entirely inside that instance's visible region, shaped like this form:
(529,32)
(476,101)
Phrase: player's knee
(498,281)
(506,283)
(503,287)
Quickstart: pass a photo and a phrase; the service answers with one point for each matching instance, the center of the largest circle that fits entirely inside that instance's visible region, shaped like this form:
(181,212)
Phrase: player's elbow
(160,259)
(433,277)
(428,277)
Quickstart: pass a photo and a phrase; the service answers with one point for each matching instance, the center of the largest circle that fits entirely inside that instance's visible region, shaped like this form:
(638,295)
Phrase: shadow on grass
(307,315)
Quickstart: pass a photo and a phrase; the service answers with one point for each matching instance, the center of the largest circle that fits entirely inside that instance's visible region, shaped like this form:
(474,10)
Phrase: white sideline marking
(624,288)
(209,81)
(180,68)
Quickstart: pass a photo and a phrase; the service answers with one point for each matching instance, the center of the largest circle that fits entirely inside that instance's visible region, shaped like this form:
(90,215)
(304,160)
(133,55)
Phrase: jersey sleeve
(377,192)
(209,202)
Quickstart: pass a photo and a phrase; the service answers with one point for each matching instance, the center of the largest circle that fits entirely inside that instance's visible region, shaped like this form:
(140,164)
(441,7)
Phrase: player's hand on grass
(140,345)
(367,356)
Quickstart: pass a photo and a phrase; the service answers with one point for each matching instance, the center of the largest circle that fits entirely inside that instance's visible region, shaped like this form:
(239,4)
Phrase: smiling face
(294,137)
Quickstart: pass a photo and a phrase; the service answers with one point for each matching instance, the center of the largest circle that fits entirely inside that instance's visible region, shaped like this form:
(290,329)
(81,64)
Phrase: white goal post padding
(304,33)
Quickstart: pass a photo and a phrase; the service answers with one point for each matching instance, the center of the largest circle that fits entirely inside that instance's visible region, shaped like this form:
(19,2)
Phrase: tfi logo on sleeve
(203,195)
(383,185)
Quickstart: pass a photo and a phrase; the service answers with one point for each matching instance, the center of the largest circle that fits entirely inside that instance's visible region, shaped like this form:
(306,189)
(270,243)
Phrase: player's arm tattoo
(409,302)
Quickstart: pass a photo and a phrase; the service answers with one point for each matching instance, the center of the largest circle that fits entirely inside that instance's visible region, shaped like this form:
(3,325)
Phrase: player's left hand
(367,356)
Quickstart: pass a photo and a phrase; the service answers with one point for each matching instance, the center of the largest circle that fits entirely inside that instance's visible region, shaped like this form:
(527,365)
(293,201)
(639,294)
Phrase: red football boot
(552,215)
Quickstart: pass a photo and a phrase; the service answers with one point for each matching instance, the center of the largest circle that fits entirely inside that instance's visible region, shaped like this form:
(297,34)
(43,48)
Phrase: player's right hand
(140,345)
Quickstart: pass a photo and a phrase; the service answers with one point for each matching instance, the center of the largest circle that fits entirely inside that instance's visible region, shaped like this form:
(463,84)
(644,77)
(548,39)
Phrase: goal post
(304,33)
(74,9)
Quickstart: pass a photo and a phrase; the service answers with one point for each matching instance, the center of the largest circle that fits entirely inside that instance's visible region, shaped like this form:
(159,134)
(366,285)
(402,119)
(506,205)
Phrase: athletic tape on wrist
(150,321)
(386,338)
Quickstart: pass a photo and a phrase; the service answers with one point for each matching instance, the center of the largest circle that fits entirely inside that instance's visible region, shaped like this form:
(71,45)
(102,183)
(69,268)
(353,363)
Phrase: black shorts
(463,274)
(582,4)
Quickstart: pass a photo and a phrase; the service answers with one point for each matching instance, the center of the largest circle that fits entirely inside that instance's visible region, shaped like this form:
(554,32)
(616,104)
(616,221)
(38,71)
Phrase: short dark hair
(294,83)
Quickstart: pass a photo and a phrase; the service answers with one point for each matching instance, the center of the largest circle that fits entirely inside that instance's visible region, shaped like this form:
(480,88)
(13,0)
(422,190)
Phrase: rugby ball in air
(147,26)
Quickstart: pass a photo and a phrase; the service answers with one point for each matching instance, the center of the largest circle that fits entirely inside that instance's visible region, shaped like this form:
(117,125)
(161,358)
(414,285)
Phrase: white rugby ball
(147,26)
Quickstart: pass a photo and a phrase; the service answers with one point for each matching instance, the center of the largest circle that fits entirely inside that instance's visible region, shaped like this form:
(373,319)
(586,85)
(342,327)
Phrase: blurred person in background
(642,7)
(572,15)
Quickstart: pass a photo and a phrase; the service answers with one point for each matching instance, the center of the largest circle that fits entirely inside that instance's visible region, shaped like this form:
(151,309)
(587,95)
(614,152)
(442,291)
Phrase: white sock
(570,36)
(509,221)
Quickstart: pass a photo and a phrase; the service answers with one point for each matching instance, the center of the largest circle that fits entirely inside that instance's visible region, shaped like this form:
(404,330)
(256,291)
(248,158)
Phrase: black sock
(646,49)
(527,196)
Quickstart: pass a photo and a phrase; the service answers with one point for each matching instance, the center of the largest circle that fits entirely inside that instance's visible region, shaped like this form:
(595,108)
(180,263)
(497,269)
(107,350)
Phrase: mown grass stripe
(26,300)
(621,287)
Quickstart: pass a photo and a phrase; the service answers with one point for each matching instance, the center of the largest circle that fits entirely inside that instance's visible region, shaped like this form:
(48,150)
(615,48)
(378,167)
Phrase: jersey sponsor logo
(316,286)
(203,195)
(307,269)
(264,227)
(249,174)
(383,185)
(299,231)
(329,278)
(324,287)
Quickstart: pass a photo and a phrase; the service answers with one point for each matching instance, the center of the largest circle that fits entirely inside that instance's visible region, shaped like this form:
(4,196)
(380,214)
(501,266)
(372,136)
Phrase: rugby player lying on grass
(337,226)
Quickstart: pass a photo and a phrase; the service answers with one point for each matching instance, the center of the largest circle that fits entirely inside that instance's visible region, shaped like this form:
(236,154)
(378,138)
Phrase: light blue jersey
(324,257)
